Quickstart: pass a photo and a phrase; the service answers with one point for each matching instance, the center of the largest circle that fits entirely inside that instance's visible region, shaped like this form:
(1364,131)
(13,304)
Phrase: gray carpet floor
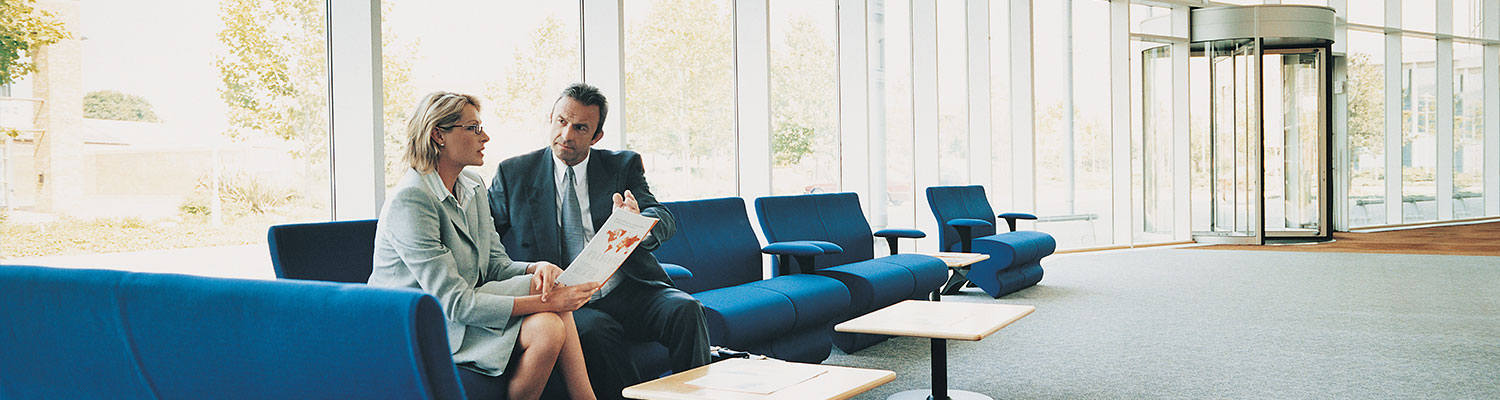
(1183,323)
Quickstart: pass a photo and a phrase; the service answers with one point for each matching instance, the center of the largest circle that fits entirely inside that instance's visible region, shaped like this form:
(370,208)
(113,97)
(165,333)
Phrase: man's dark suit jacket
(523,199)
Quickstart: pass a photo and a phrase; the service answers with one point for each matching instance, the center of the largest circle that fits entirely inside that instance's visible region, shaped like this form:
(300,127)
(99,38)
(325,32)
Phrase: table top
(959,260)
(830,382)
(937,319)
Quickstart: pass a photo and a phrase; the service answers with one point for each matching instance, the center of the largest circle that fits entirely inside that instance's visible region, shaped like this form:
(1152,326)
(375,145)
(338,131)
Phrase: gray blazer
(424,240)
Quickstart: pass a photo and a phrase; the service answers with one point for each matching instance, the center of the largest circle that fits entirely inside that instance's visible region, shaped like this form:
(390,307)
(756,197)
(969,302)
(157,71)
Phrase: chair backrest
(78,333)
(830,217)
(337,251)
(950,202)
(715,241)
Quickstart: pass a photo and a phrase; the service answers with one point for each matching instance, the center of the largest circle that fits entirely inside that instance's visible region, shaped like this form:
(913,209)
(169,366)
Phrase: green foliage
(275,77)
(803,119)
(112,105)
(681,83)
(24,30)
(240,194)
(540,72)
(275,72)
(1366,94)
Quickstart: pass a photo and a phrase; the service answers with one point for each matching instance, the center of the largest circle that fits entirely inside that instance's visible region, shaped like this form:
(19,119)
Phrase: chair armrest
(968,222)
(676,272)
(1010,218)
(797,249)
(901,233)
(802,251)
(965,228)
(892,234)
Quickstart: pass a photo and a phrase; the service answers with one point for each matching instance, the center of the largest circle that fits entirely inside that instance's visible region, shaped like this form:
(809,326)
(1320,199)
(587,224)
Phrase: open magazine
(608,249)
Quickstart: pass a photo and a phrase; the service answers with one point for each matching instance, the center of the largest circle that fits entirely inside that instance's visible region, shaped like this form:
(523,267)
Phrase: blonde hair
(436,109)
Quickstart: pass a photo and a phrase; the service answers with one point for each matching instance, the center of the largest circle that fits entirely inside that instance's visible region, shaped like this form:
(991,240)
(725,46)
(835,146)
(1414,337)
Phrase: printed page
(608,249)
(759,377)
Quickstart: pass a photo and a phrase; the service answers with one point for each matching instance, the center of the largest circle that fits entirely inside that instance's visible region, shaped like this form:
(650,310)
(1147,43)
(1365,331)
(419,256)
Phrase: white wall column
(1393,115)
(1492,109)
(924,110)
(752,97)
(1182,206)
(356,145)
(1444,111)
(854,106)
(1119,101)
(603,53)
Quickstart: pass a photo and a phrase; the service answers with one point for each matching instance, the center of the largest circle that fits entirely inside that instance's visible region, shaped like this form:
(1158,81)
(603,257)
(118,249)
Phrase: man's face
(573,127)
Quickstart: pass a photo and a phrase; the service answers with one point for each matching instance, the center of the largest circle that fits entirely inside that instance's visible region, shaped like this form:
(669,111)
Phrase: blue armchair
(788,317)
(968,225)
(827,234)
(103,334)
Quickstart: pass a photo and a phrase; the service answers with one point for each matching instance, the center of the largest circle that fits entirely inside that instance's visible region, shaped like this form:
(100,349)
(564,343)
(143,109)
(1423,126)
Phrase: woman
(506,320)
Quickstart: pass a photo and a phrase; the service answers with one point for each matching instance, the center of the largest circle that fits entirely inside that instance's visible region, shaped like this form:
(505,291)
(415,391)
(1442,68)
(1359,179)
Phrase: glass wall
(804,97)
(1001,143)
(1418,129)
(528,55)
(679,79)
(1366,129)
(953,94)
(891,95)
(1468,130)
(1073,187)
(197,133)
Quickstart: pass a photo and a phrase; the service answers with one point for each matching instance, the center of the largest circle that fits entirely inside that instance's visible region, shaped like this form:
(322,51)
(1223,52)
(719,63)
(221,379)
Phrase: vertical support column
(356,146)
(1393,115)
(854,106)
(1119,101)
(603,56)
(1492,109)
(1022,111)
(752,91)
(977,36)
(1182,215)
(1444,110)
(924,109)
(1341,158)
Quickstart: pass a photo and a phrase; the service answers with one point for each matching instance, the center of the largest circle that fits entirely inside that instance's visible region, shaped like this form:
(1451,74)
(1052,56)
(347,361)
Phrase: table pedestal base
(927,394)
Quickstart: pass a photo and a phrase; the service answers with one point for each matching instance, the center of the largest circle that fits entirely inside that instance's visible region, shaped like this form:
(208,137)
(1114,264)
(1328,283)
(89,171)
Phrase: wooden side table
(830,382)
(958,263)
(938,321)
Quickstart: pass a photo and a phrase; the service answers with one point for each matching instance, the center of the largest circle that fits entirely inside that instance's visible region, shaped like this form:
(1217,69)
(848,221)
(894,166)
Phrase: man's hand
(544,278)
(570,298)
(627,202)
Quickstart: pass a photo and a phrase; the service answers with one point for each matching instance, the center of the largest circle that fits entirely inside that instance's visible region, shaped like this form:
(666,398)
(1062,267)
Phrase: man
(547,203)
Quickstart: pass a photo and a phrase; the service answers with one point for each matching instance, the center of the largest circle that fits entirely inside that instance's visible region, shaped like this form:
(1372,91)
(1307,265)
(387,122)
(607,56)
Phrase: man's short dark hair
(588,95)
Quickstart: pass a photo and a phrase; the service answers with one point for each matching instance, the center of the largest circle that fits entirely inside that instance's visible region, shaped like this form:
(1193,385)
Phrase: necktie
(572,219)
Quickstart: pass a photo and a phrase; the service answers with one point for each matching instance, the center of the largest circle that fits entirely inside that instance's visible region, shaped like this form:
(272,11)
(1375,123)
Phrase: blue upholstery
(1015,256)
(786,317)
(338,251)
(344,251)
(873,283)
(78,333)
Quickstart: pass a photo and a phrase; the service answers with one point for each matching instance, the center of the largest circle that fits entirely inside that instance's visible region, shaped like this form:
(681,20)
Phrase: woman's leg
(540,340)
(570,361)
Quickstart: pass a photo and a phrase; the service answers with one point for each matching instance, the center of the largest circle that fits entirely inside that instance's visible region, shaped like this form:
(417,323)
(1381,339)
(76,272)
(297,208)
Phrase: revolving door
(1268,130)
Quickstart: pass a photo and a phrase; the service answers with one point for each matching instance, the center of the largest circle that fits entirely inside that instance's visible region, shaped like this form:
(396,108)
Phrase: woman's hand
(544,278)
(570,298)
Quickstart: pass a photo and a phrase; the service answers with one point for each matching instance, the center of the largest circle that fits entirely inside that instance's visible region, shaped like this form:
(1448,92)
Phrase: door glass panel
(1294,156)
(1155,147)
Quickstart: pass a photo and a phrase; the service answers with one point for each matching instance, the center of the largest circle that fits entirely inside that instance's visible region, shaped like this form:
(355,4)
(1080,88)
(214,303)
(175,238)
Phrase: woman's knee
(542,328)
